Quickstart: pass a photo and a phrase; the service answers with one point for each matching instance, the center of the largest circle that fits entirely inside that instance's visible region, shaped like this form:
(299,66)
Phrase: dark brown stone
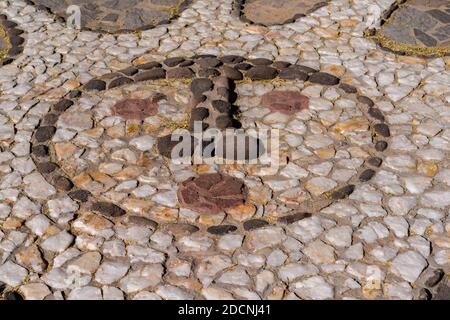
(443,291)
(40,151)
(44,134)
(293,73)
(135,109)
(98,85)
(324,79)
(221,230)
(365,100)
(131,71)
(287,102)
(63,105)
(294,217)
(212,193)
(12,295)
(149,65)
(181,229)
(434,278)
(186,63)
(46,167)
(262,73)
(232,59)
(376,114)
(232,73)
(281,64)
(142,221)
(62,183)
(382,130)
(222,106)
(80,195)
(201,85)
(375,162)
(153,74)
(243,66)
(74,94)
(208,73)
(255,224)
(50,119)
(173,62)
(367,175)
(180,73)
(120,82)
(260,62)
(343,192)
(108,209)
(166,145)
(348,88)
(223,93)
(209,63)
(224,122)
(381,146)
(199,114)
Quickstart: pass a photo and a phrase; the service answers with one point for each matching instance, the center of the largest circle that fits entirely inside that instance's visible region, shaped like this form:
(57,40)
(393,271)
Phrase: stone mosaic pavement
(418,26)
(92,208)
(117,15)
(267,12)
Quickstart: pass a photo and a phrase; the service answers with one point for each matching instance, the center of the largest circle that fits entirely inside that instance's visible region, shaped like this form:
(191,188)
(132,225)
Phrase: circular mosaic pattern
(107,147)
(11,42)
(269,12)
(417,27)
(117,16)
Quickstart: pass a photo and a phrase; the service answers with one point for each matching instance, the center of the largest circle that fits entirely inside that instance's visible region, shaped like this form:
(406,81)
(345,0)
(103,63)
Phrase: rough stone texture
(287,102)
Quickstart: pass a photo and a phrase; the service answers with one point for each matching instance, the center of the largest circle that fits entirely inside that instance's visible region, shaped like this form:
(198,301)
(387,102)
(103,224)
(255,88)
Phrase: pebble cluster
(91,208)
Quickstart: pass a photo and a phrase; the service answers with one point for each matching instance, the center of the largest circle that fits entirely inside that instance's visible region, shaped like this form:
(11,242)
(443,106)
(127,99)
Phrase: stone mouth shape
(283,101)
(212,193)
(278,12)
(119,15)
(416,27)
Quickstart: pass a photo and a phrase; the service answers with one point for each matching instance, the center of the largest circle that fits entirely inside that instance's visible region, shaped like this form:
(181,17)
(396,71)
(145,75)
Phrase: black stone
(375,162)
(74,94)
(50,119)
(324,79)
(255,224)
(376,114)
(220,230)
(224,122)
(108,209)
(209,63)
(434,278)
(294,217)
(153,74)
(208,73)
(382,130)
(426,39)
(165,146)
(62,183)
(367,175)
(343,192)
(180,73)
(80,195)
(201,85)
(46,167)
(2,287)
(243,66)
(63,105)
(120,82)
(281,64)
(40,150)
(149,65)
(186,63)
(173,62)
(366,100)
(381,146)
(16,41)
(348,88)
(232,73)
(293,73)
(98,85)
(232,59)
(12,295)
(131,71)
(260,62)
(199,114)
(44,133)
(262,73)
(222,106)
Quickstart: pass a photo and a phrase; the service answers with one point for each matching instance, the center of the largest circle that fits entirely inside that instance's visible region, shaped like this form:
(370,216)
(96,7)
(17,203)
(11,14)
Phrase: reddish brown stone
(135,109)
(212,193)
(287,102)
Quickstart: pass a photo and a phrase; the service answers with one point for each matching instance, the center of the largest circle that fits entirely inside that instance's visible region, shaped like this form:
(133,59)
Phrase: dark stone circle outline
(61,19)
(51,171)
(386,15)
(12,32)
(238,6)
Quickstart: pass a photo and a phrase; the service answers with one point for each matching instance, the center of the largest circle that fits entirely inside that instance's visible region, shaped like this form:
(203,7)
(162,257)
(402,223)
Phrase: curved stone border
(12,37)
(230,68)
(393,46)
(183,6)
(238,6)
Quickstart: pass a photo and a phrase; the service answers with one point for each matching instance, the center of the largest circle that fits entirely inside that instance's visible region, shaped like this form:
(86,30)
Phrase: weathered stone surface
(287,102)
(135,109)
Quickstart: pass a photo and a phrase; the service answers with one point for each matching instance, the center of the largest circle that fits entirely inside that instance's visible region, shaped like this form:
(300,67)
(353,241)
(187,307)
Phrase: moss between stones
(5,38)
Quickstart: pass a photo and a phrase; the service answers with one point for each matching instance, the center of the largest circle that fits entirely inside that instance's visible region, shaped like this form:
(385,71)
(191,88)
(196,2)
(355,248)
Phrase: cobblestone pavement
(92,208)
(267,12)
(118,15)
(424,25)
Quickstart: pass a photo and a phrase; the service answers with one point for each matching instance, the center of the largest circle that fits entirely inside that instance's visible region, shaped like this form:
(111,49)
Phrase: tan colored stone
(242,212)
(65,150)
(352,125)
